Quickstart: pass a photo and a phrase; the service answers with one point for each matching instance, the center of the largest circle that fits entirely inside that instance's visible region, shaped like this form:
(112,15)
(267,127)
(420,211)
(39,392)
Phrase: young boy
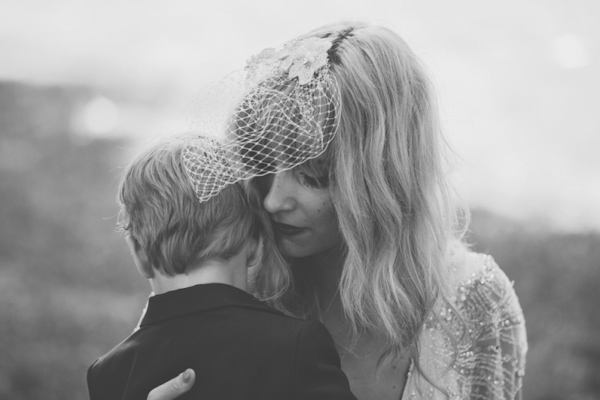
(196,256)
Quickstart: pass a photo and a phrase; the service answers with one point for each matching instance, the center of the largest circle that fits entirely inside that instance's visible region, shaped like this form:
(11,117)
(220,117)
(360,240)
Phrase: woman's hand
(175,387)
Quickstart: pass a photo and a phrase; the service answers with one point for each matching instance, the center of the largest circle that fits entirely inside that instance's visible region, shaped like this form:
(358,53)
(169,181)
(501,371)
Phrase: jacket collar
(199,298)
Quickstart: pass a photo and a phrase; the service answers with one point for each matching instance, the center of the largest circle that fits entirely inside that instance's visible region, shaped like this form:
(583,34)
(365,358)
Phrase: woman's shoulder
(479,284)
(466,265)
(478,333)
(480,289)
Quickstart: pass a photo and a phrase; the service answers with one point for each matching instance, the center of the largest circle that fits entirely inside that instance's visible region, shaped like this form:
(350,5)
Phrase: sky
(518,80)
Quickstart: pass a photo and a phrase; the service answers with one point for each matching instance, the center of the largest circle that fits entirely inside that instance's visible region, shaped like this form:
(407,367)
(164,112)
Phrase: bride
(372,235)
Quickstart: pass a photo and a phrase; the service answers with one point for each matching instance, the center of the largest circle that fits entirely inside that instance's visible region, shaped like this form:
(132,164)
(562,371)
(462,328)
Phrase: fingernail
(187,375)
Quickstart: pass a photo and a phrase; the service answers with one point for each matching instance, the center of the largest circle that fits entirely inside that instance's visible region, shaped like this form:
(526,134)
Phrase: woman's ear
(140,258)
(254,253)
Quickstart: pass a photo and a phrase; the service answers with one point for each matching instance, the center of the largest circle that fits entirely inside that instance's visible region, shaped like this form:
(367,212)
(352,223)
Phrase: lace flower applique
(300,58)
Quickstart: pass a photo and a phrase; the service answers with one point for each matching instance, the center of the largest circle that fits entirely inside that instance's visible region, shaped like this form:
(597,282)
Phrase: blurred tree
(69,292)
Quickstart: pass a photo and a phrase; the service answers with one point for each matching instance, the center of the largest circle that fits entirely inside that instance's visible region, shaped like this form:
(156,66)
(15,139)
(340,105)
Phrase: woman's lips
(287,230)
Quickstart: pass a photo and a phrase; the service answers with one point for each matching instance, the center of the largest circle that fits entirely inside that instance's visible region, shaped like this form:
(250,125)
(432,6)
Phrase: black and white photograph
(312,200)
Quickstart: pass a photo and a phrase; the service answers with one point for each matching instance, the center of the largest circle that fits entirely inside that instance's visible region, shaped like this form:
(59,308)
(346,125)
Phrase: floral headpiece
(300,58)
(282,111)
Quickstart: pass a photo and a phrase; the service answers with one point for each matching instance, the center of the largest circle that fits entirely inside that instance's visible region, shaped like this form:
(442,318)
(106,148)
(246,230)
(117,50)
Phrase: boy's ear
(254,254)
(140,258)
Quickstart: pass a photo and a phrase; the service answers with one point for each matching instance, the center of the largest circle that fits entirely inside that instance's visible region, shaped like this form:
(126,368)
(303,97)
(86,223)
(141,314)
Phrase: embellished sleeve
(495,360)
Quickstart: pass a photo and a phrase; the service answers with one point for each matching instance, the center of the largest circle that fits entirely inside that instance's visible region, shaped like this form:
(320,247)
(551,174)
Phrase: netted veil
(280,111)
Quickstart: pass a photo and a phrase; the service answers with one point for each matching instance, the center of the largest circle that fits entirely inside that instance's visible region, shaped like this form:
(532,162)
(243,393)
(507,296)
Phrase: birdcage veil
(281,111)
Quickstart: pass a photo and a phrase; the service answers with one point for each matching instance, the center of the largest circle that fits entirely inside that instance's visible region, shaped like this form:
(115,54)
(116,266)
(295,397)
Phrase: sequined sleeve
(491,358)
(495,362)
(475,348)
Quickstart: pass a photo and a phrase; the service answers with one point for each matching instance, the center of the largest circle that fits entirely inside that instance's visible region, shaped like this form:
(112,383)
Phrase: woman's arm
(175,387)
(501,343)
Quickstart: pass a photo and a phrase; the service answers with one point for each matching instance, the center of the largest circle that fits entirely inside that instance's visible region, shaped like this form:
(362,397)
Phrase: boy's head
(161,212)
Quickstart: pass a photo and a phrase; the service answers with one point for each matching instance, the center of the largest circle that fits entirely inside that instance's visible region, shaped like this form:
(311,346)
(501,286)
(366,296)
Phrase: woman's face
(302,213)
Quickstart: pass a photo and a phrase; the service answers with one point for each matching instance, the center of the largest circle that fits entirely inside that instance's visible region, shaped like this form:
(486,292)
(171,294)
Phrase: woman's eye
(312,182)
(264,183)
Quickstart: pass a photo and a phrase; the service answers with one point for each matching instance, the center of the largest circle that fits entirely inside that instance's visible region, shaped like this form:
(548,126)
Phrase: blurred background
(85,83)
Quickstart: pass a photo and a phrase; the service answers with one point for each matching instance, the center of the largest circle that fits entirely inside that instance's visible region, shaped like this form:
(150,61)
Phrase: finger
(175,387)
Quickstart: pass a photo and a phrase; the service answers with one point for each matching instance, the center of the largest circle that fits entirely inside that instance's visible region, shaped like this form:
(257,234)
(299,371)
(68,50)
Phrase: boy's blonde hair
(160,210)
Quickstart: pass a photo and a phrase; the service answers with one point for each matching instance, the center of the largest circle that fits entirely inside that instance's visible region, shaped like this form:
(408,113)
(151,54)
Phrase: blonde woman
(370,227)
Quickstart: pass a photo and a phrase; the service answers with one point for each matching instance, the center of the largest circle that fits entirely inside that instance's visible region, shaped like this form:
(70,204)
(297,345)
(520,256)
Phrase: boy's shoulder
(229,306)
(199,300)
(216,312)
(197,328)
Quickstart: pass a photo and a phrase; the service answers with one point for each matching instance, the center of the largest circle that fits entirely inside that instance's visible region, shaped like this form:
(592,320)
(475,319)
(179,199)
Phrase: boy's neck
(232,272)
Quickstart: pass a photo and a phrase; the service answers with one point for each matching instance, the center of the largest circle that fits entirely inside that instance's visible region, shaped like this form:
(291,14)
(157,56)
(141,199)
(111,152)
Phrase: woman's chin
(293,249)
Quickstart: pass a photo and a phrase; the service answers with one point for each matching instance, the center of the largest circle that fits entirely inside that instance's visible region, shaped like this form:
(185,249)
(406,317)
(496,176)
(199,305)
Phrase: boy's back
(238,347)
(196,252)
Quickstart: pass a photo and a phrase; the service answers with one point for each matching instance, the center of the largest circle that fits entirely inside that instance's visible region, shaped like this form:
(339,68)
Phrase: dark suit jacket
(239,347)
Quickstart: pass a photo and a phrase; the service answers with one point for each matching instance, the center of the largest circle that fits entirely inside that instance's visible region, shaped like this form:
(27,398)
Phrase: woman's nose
(279,196)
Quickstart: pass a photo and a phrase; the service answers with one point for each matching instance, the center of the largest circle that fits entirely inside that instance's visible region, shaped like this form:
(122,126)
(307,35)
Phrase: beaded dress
(487,328)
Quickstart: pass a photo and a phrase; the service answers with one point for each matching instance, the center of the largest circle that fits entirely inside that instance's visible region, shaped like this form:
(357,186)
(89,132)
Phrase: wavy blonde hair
(389,184)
